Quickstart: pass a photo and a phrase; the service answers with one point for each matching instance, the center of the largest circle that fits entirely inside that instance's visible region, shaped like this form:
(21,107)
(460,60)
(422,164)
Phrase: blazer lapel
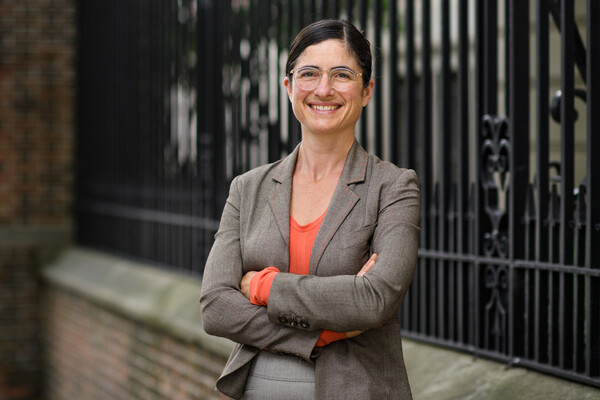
(341,204)
(281,196)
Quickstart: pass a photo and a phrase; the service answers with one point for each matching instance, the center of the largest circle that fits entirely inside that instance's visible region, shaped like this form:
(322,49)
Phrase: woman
(315,252)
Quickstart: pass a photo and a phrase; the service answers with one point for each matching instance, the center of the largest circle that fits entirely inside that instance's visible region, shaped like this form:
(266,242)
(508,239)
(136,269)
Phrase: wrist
(260,286)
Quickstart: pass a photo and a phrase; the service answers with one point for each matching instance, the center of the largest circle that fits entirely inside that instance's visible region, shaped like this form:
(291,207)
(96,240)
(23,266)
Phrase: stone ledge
(47,241)
(439,374)
(161,299)
(170,301)
(37,235)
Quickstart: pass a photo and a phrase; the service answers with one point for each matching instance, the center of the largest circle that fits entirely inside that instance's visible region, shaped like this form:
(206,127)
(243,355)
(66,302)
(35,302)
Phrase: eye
(342,75)
(307,73)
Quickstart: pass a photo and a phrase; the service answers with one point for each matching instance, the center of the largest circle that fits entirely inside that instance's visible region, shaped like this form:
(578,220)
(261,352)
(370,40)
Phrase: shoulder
(258,181)
(258,174)
(280,171)
(387,173)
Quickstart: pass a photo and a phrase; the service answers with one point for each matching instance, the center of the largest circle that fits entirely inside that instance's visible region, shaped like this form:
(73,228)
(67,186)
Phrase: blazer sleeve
(226,312)
(348,302)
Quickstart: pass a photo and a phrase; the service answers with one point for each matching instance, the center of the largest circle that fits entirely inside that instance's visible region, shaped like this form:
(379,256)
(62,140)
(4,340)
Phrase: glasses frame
(356,76)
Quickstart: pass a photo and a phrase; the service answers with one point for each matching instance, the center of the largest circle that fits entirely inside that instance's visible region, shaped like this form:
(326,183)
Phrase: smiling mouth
(323,108)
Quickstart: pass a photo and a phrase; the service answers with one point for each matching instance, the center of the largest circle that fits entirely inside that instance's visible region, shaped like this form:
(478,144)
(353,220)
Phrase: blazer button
(283,319)
(304,324)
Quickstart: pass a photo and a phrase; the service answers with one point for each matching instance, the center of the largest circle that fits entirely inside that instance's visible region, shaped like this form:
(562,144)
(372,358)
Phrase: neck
(321,157)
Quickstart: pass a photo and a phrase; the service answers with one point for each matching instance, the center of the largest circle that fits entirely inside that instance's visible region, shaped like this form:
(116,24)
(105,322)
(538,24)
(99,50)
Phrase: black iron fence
(176,98)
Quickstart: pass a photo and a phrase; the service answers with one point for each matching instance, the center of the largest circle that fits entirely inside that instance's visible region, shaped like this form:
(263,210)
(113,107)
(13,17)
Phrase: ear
(288,85)
(368,92)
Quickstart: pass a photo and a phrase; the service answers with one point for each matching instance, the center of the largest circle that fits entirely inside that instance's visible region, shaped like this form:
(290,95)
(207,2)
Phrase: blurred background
(123,122)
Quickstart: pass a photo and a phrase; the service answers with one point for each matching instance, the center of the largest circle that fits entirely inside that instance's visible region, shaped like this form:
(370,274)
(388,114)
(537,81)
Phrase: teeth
(324,108)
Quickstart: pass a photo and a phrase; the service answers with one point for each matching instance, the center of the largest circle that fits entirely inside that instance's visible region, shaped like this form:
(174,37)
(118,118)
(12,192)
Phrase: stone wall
(93,353)
(117,329)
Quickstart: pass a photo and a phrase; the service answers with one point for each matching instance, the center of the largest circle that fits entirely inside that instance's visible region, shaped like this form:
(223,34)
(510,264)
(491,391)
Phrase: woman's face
(325,110)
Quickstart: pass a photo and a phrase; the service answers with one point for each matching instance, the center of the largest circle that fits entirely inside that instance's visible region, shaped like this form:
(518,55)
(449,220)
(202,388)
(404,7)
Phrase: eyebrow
(316,67)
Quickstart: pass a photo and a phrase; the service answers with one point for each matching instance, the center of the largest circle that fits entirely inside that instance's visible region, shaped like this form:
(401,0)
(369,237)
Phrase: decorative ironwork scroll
(495,174)
(496,309)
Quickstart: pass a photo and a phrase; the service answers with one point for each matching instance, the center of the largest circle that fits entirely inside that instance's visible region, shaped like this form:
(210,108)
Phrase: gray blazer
(375,208)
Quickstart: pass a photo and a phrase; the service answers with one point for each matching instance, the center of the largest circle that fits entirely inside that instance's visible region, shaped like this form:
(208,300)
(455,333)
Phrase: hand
(368,265)
(245,283)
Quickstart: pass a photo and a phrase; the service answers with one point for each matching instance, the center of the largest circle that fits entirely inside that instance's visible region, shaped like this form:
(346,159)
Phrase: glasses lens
(307,78)
(341,79)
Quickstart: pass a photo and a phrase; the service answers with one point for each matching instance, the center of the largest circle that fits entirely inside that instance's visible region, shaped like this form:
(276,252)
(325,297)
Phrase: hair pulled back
(327,29)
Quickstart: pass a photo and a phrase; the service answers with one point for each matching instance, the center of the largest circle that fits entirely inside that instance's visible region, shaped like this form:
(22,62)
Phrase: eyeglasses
(341,79)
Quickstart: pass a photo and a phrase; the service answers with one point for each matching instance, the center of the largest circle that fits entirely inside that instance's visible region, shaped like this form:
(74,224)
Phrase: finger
(245,283)
(365,268)
(352,334)
(368,265)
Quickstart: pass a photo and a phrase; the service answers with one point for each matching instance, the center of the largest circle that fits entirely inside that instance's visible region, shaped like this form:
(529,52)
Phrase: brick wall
(37,87)
(37,78)
(96,354)
(20,353)
(55,344)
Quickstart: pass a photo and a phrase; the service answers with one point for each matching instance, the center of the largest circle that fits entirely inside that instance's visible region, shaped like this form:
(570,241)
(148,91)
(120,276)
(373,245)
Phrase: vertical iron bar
(263,74)
(451,282)
(377,18)
(592,368)
(417,302)
(426,161)
(223,13)
(334,9)
(463,165)
(567,174)
(542,179)
(486,94)
(164,131)
(579,311)
(476,192)
(410,101)
(518,84)
(292,123)
(473,267)
(490,51)
(312,14)
(238,134)
(553,287)
(394,132)
(197,240)
(444,166)
(252,64)
(350,10)
(529,239)
(273,34)
(426,125)
(363,11)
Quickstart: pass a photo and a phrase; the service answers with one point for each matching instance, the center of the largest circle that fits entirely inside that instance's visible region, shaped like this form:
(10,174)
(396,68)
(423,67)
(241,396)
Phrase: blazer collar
(353,172)
(341,203)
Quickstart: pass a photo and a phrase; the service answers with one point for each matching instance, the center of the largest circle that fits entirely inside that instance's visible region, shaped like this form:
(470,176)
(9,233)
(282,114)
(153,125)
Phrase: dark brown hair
(327,29)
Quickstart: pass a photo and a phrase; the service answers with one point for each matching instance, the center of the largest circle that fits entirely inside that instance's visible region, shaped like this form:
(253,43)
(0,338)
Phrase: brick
(119,358)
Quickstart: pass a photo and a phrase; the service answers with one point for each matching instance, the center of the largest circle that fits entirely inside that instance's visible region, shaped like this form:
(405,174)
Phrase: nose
(324,88)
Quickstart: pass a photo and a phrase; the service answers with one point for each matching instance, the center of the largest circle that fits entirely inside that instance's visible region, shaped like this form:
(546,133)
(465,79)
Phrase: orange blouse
(302,238)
